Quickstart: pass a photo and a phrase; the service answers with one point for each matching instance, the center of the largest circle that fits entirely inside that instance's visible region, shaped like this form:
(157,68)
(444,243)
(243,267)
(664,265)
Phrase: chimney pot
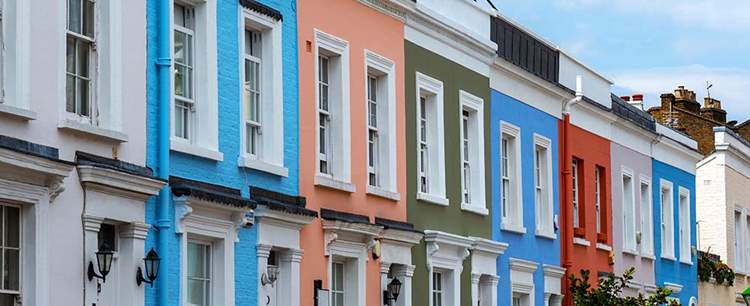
(637,101)
(625,98)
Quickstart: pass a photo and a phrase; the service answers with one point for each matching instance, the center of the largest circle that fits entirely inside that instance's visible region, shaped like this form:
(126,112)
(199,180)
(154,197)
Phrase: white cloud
(730,85)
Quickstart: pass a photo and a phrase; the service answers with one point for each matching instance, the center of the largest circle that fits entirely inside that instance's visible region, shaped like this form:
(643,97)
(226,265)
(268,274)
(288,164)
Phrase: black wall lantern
(103,263)
(151,262)
(392,292)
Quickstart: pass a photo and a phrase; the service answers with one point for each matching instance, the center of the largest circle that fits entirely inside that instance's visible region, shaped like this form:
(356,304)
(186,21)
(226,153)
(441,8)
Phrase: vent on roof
(525,51)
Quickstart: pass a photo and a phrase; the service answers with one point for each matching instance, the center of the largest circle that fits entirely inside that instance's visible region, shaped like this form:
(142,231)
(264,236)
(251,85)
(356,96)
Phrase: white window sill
(17,112)
(514,228)
(191,149)
(581,242)
(260,165)
(631,252)
(648,256)
(668,257)
(604,247)
(475,208)
(111,135)
(332,183)
(432,198)
(383,193)
(546,234)
(686,262)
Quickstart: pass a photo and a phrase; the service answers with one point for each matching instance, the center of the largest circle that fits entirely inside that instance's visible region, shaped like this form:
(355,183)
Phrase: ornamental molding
(270,216)
(553,271)
(523,265)
(119,183)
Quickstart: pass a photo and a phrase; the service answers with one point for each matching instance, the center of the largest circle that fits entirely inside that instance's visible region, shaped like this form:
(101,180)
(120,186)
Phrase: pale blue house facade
(223,127)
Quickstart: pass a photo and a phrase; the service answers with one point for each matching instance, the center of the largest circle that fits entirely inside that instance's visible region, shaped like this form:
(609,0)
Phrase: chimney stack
(637,101)
(712,110)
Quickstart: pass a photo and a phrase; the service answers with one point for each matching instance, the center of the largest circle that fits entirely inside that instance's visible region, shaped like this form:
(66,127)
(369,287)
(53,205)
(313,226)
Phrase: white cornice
(405,238)
(35,163)
(553,271)
(447,238)
(350,228)
(390,8)
(676,288)
(523,265)
(271,216)
(488,246)
(91,176)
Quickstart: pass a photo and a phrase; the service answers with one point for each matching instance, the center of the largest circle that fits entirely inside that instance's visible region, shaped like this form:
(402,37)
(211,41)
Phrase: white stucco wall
(46,79)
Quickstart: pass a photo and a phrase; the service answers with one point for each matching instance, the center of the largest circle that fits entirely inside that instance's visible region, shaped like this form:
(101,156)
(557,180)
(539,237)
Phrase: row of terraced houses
(323,153)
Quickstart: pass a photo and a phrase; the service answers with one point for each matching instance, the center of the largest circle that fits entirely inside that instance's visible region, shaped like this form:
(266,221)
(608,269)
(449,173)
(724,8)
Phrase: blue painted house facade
(674,198)
(524,150)
(223,127)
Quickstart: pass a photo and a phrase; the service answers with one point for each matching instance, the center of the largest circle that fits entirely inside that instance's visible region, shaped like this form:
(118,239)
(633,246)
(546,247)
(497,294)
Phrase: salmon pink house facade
(353,166)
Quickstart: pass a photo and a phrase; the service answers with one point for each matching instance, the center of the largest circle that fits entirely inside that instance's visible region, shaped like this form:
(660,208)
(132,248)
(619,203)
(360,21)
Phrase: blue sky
(651,46)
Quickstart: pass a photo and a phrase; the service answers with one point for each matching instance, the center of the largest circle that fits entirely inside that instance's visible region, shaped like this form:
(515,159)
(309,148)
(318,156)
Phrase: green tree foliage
(609,292)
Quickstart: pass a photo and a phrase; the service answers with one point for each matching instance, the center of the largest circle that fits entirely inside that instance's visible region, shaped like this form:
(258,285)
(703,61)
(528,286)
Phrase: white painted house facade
(72,150)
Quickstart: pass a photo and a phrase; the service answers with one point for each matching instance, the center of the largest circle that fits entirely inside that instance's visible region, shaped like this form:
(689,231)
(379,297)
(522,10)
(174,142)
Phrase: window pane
(195,292)
(74,16)
(70,94)
(88,18)
(70,55)
(107,234)
(11,273)
(83,91)
(179,80)
(196,260)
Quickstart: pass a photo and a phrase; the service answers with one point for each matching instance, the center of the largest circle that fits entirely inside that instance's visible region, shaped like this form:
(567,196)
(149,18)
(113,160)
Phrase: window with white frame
(199,273)
(80,60)
(10,252)
(332,78)
(646,213)
(575,173)
(684,226)
(598,173)
(472,153)
(194,79)
(381,123)
(667,220)
(337,284)
(438,294)
(628,211)
(739,242)
(430,136)
(184,71)
(510,168)
(521,299)
(543,197)
(262,94)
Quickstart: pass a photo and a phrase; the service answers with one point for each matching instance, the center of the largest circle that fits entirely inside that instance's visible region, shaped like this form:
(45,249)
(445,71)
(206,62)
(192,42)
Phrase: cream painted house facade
(723,214)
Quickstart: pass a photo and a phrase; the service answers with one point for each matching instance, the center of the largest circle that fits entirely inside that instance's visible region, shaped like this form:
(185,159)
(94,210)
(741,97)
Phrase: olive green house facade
(447,117)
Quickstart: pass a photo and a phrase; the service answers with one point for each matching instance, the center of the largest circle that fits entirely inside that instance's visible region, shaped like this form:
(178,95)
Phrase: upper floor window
(667,220)
(184,70)
(332,78)
(262,94)
(628,207)
(381,124)
(438,296)
(80,60)
(510,169)
(430,136)
(10,252)
(543,197)
(646,213)
(600,181)
(685,226)
(739,242)
(576,172)
(472,153)
(194,80)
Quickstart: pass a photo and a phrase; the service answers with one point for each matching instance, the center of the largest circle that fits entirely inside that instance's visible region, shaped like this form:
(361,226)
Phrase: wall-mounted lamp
(270,276)
(151,262)
(392,292)
(103,263)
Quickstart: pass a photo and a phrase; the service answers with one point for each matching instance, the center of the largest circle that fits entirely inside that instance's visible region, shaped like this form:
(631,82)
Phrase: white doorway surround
(279,219)
(484,279)
(396,241)
(115,194)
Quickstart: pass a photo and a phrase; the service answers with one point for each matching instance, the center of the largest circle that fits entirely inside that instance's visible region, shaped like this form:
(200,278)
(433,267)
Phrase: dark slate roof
(281,202)
(631,113)
(209,192)
(398,225)
(22,146)
(83,158)
(342,216)
(261,8)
